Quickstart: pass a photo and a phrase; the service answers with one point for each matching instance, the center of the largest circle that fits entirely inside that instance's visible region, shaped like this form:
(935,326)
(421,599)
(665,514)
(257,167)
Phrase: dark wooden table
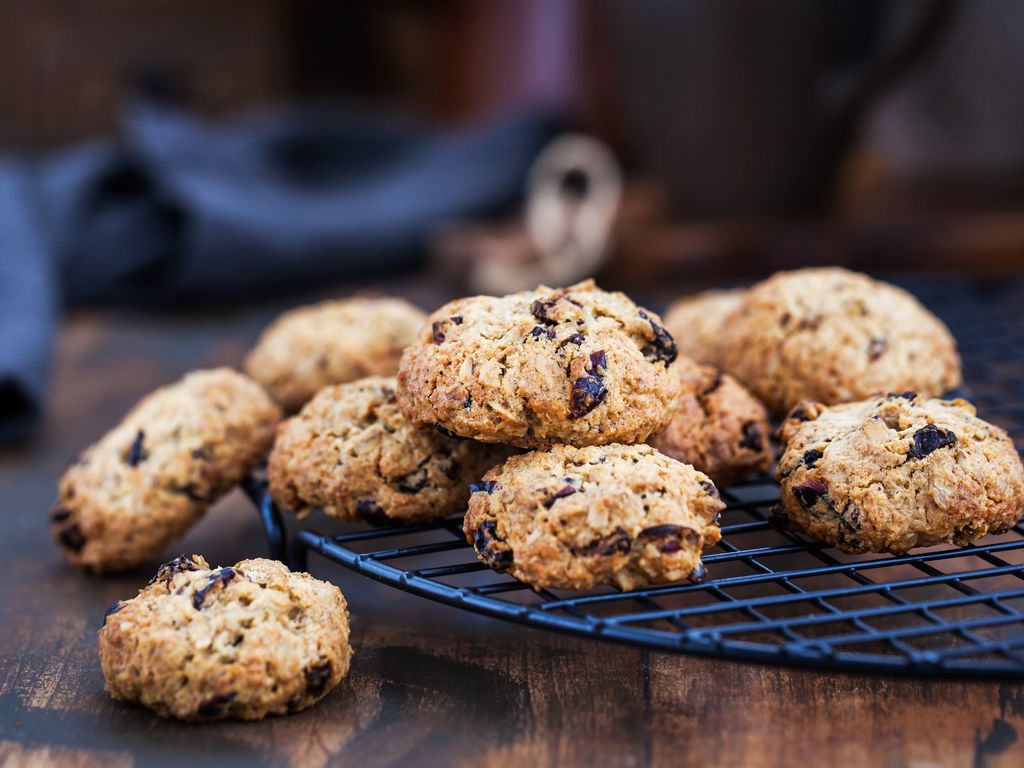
(430,685)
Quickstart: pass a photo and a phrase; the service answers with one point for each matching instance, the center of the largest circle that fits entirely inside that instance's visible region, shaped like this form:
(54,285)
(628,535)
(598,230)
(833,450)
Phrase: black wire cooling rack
(769,596)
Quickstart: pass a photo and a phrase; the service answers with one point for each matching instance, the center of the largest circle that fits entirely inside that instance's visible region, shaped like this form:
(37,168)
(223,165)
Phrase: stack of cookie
(578,377)
(582,379)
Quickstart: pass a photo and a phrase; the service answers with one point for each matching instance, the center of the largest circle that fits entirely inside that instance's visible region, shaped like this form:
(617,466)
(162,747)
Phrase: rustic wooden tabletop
(430,685)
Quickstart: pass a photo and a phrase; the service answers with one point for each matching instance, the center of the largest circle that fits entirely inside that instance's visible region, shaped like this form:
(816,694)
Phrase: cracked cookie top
(575,518)
(834,336)
(202,643)
(574,365)
(352,452)
(896,472)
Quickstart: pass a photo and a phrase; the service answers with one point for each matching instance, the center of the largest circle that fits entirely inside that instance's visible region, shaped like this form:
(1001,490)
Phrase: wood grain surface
(430,685)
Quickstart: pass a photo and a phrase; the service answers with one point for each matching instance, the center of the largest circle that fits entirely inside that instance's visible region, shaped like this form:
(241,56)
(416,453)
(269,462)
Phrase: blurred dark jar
(748,108)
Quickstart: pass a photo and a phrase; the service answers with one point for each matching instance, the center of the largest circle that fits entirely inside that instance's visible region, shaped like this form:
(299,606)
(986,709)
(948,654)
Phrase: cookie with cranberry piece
(576,518)
(696,323)
(332,342)
(834,336)
(242,642)
(351,452)
(573,365)
(896,472)
(719,427)
(151,477)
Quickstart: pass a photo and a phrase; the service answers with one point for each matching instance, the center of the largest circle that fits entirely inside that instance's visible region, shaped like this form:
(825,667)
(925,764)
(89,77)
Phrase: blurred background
(752,135)
(161,153)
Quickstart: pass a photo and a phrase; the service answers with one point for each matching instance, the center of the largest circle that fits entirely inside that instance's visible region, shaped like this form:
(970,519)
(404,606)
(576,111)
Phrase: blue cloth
(181,211)
(27,302)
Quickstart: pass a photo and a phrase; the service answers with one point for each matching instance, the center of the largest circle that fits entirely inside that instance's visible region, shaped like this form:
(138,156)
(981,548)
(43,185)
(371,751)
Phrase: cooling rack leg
(273,521)
(298,555)
(277,539)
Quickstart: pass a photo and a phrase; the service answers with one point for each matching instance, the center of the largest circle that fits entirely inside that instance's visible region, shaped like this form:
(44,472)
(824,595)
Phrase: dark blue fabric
(179,210)
(27,305)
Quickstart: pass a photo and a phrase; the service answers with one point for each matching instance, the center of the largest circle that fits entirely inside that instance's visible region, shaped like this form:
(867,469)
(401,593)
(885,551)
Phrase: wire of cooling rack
(770,595)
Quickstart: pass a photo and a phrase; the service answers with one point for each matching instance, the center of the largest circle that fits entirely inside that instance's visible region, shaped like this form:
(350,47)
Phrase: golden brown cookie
(696,323)
(151,477)
(242,642)
(575,365)
(833,336)
(575,518)
(896,472)
(332,343)
(719,427)
(352,452)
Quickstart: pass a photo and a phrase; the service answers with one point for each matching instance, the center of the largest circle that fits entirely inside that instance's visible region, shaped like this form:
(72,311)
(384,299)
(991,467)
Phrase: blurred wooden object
(934,227)
(572,201)
(503,56)
(67,67)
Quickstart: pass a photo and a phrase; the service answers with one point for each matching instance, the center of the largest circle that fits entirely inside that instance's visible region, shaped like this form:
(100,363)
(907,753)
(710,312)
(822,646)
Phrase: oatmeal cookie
(575,518)
(719,427)
(332,343)
(352,452)
(896,472)
(696,323)
(575,365)
(151,477)
(242,642)
(834,336)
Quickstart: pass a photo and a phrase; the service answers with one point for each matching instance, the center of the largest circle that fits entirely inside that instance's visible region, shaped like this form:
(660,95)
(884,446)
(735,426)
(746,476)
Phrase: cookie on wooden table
(576,518)
(719,427)
(573,365)
(151,477)
(332,342)
(352,452)
(896,472)
(242,642)
(696,323)
(833,336)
